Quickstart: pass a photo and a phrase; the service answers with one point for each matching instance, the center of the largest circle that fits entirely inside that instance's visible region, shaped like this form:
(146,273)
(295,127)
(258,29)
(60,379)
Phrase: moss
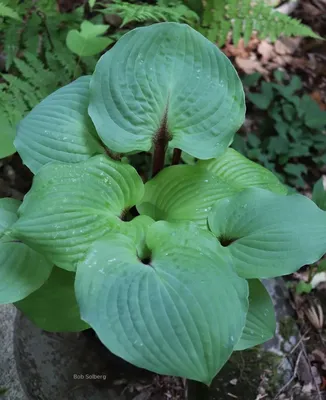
(245,373)
(287,327)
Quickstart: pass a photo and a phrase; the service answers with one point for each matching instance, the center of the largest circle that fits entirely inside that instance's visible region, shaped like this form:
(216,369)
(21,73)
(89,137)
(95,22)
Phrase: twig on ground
(288,383)
(287,8)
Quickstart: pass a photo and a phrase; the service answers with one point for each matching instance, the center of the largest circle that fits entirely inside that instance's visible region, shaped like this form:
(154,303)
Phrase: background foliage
(46,47)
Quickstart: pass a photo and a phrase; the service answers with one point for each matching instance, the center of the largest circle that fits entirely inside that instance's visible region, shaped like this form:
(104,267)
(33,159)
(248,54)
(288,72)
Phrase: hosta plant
(168,271)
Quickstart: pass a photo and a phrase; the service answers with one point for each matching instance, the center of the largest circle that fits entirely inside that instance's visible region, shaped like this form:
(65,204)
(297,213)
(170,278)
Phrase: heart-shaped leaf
(268,234)
(53,307)
(72,205)
(260,323)
(88,41)
(166,83)
(22,270)
(59,128)
(185,192)
(178,312)
(240,172)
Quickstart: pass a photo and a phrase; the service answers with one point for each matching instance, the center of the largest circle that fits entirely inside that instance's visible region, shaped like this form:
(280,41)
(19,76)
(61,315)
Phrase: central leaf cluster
(197,300)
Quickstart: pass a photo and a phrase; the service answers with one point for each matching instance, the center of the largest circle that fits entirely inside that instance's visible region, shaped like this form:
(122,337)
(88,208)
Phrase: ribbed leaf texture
(242,17)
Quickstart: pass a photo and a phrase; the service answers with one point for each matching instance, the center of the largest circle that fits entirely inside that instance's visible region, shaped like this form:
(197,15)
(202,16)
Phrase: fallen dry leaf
(287,45)
(266,50)
(317,96)
(250,66)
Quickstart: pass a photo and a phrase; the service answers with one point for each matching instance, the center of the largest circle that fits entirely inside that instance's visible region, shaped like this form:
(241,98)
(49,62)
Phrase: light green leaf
(303,287)
(22,270)
(59,128)
(7,136)
(166,82)
(179,312)
(72,205)
(137,229)
(87,42)
(6,11)
(260,323)
(241,173)
(53,307)
(319,194)
(268,234)
(185,192)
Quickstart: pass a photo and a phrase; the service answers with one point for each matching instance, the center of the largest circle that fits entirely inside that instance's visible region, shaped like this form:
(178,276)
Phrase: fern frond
(242,17)
(11,43)
(144,13)
(6,11)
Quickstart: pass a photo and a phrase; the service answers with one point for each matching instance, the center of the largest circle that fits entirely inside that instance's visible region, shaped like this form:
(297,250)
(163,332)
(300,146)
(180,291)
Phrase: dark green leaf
(282,128)
(253,140)
(319,194)
(279,75)
(260,323)
(321,266)
(252,79)
(262,100)
(53,307)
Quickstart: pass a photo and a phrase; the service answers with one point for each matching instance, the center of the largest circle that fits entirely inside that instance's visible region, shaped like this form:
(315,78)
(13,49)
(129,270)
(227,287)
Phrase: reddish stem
(176,156)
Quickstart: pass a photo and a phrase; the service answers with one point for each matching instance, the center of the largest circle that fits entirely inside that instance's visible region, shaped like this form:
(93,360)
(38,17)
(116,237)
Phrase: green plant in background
(43,65)
(8,12)
(242,17)
(290,132)
(166,272)
(88,42)
(172,11)
(67,45)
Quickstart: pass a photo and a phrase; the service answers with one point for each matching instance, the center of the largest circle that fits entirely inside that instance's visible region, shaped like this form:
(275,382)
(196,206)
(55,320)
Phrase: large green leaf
(53,307)
(268,234)
(59,128)
(260,323)
(71,205)
(179,312)
(166,82)
(88,41)
(22,270)
(238,171)
(185,192)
